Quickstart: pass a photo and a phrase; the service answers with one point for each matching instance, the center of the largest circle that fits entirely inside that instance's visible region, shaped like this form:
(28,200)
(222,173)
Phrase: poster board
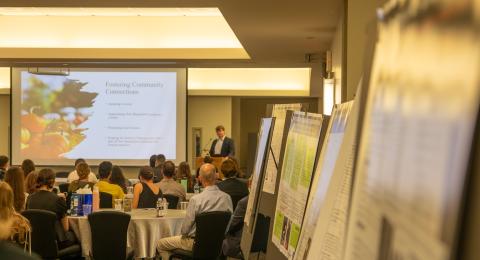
(416,139)
(297,170)
(264,138)
(327,160)
(279,112)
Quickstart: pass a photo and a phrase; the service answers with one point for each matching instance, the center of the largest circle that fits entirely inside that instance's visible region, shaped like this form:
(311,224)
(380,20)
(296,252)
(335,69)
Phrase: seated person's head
(28,166)
(160,159)
(6,210)
(4,162)
(83,170)
(31,183)
(229,168)
(208,174)
(46,178)
(79,160)
(207,159)
(146,173)
(105,169)
(169,169)
(153,160)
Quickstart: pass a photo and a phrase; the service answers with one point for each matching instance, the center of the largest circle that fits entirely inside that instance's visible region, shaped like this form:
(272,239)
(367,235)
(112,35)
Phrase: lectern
(217,161)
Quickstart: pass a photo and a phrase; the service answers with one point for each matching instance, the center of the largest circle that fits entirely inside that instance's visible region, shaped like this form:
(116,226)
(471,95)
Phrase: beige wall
(207,113)
(4,124)
(337,49)
(360,14)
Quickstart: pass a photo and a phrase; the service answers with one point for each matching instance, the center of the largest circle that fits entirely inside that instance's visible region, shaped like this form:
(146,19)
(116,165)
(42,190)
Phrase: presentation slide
(122,115)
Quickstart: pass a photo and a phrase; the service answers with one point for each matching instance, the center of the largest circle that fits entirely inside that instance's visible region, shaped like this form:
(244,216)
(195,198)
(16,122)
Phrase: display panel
(122,115)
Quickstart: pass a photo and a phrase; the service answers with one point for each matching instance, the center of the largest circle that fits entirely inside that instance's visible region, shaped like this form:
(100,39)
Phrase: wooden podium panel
(217,161)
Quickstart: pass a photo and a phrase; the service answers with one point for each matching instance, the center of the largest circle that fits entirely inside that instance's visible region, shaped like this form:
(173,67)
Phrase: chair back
(172,200)
(210,232)
(260,234)
(106,200)
(44,238)
(62,174)
(109,234)
(63,187)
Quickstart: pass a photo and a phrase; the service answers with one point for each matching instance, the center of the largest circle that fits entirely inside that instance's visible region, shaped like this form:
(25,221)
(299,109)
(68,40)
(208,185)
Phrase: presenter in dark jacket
(231,184)
(222,146)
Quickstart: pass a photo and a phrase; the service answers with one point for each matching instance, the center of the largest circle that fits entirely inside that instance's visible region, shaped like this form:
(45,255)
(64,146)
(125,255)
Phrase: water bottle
(160,205)
(196,188)
(74,205)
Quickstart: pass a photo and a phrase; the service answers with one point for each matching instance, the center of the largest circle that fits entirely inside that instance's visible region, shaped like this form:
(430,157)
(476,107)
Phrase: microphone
(206,147)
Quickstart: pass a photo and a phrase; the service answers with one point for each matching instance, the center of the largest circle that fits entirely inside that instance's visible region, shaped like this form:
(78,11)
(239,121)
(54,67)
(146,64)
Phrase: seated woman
(83,171)
(45,199)
(184,172)
(31,183)
(18,226)
(119,179)
(14,177)
(145,193)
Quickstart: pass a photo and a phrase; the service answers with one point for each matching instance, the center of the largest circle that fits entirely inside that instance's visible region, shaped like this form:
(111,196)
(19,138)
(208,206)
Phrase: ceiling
(273,33)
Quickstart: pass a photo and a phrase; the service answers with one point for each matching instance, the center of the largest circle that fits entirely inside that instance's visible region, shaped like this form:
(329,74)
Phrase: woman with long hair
(118,178)
(28,166)
(184,172)
(15,178)
(14,227)
(31,183)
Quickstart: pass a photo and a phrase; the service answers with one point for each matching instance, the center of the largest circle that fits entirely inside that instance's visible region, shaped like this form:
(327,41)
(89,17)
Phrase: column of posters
(418,129)
(279,112)
(297,169)
(324,170)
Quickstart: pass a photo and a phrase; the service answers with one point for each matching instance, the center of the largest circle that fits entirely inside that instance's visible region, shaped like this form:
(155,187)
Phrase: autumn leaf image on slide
(52,115)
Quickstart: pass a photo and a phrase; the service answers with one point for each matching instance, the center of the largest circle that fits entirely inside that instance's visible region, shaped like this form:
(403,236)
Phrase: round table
(144,230)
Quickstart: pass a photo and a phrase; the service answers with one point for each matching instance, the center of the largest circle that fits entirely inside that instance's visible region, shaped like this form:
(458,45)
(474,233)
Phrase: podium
(217,161)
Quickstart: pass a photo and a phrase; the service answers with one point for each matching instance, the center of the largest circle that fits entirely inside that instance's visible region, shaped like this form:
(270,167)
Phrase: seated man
(73,176)
(104,185)
(231,243)
(168,185)
(211,199)
(231,184)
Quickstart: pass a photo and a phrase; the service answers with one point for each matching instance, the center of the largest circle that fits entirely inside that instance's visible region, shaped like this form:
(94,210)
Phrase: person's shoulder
(9,251)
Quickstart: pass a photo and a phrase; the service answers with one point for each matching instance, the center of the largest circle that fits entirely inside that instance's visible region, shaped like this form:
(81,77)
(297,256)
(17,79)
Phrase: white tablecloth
(144,231)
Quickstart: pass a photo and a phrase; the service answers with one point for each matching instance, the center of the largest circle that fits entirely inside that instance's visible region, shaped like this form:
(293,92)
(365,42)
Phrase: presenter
(222,146)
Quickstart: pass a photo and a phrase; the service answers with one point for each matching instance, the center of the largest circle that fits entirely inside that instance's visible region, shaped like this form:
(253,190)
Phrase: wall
(360,15)
(207,113)
(337,49)
(4,124)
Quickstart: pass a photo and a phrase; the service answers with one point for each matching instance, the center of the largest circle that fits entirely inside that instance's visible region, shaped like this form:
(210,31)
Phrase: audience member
(168,185)
(45,199)
(31,183)
(18,226)
(73,176)
(83,171)
(158,168)
(3,166)
(184,172)
(14,177)
(105,171)
(211,199)
(119,179)
(28,166)
(231,185)
(152,161)
(145,193)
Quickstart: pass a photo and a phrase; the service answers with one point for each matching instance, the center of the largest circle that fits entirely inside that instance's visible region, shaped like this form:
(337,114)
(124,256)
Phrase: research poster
(262,150)
(418,130)
(297,169)
(279,112)
(327,160)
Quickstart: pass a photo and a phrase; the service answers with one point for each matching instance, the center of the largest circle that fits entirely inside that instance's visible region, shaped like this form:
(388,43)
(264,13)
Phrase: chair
(109,235)
(63,187)
(172,200)
(210,232)
(106,200)
(61,174)
(260,234)
(44,238)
